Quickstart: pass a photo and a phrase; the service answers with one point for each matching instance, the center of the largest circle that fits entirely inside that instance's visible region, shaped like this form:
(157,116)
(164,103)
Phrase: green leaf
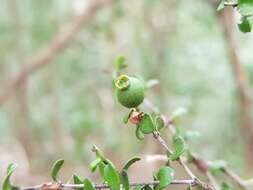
(6,182)
(221,5)
(165,176)
(111,176)
(138,133)
(101,166)
(159,122)
(99,153)
(179,147)
(245,7)
(131,162)
(87,184)
(94,164)
(125,119)
(120,63)
(245,25)
(217,167)
(146,124)
(124,180)
(225,186)
(56,168)
(77,179)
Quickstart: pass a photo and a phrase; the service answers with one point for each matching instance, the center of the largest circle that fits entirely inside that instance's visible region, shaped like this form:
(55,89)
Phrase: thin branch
(181,161)
(52,186)
(232,175)
(46,55)
(201,164)
(158,137)
(212,180)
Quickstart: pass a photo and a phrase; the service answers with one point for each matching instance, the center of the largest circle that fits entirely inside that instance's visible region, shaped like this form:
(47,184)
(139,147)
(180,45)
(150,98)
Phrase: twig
(181,161)
(212,180)
(235,178)
(101,186)
(158,137)
(46,55)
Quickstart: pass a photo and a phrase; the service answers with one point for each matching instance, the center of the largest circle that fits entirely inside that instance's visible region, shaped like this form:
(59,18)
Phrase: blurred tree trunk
(20,107)
(56,123)
(227,22)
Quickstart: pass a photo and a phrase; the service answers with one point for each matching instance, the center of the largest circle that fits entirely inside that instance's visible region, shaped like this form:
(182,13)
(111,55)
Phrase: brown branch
(241,183)
(212,180)
(46,55)
(55,186)
(200,164)
(181,162)
(227,22)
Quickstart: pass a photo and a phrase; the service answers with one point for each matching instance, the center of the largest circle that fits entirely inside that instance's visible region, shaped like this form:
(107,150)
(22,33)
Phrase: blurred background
(57,100)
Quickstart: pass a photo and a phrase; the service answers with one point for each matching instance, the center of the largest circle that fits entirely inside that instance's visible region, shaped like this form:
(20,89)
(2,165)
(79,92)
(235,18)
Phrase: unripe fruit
(130,91)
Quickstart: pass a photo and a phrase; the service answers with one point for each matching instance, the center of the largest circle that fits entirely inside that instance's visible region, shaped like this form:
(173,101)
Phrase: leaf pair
(149,124)
(108,171)
(179,147)
(87,184)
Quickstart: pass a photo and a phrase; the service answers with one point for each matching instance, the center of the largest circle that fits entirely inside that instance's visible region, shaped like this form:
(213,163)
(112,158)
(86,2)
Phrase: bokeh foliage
(71,104)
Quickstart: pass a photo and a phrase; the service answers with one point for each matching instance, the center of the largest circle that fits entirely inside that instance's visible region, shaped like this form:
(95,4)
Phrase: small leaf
(245,25)
(225,186)
(120,63)
(111,176)
(165,176)
(99,153)
(125,119)
(146,124)
(77,179)
(94,164)
(179,147)
(131,162)
(221,5)
(159,122)
(87,184)
(6,182)
(138,133)
(124,180)
(245,7)
(101,167)
(217,167)
(56,168)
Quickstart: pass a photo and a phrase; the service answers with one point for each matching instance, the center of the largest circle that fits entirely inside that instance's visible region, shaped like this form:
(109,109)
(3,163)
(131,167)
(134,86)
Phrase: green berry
(130,91)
